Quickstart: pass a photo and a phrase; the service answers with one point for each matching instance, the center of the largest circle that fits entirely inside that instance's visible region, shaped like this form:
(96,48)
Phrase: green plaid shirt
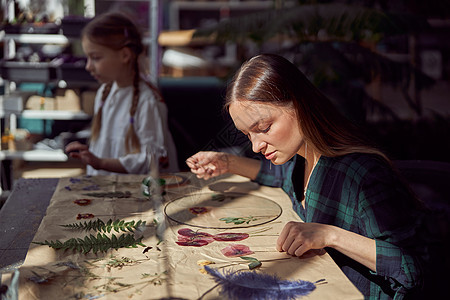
(360,193)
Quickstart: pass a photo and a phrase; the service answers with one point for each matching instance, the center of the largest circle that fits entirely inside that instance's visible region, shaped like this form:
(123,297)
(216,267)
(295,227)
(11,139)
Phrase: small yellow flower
(204,263)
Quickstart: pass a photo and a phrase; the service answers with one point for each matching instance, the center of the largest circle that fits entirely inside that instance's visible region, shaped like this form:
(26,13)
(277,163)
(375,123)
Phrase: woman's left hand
(297,238)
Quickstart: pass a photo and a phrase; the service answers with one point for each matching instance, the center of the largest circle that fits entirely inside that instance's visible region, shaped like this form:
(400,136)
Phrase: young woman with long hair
(353,203)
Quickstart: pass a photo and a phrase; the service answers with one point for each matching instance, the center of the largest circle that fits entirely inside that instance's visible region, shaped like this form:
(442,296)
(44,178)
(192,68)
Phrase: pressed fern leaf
(117,194)
(99,225)
(101,243)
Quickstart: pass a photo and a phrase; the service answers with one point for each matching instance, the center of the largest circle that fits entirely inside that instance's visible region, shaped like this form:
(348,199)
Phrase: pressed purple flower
(93,187)
(228,236)
(74,180)
(68,188)
(236,250)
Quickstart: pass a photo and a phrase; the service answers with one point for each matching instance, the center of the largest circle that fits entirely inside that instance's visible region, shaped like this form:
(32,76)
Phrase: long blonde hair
(270,78)
(116,31)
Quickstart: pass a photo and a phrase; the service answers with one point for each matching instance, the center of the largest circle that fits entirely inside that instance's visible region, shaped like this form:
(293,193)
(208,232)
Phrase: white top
(150,124)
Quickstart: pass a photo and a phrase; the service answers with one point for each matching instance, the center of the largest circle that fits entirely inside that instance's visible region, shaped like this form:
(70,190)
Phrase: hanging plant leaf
(305,22)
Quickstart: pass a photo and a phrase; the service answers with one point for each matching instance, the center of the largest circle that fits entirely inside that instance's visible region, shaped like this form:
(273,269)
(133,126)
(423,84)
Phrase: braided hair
(116,31)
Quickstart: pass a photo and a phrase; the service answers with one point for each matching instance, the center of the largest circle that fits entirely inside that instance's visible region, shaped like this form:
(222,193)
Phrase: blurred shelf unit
(35,38)
(187,55)
(66,68)
(62,71)
(195,14)
(34,155)
(16,103)
(55,115)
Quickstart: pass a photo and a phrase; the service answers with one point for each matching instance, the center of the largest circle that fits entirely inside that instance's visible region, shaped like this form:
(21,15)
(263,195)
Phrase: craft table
(20,218)
(196,222)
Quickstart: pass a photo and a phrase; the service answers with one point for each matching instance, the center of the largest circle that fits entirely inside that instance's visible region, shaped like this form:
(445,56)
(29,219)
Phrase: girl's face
(274,131)
(105,64)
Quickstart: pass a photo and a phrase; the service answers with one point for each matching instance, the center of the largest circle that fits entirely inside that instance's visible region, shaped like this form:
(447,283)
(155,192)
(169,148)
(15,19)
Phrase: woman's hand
(208,164)
(297,238)
(80,151)
(300,239)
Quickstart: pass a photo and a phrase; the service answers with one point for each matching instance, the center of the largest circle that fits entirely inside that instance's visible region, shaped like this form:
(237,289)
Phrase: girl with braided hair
(129,128)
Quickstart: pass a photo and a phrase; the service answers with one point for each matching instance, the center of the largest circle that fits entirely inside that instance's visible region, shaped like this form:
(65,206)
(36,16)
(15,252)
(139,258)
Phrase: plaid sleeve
(398,267)
(390,218)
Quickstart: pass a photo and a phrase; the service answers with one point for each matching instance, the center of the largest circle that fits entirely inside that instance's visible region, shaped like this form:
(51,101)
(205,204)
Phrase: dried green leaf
(249,258)
(254,265)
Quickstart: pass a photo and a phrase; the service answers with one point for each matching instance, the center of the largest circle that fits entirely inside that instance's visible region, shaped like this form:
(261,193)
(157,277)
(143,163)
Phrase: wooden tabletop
(20,218)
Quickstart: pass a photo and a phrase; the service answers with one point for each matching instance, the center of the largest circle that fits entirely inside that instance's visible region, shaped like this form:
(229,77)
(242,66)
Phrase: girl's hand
(207,164)
(80,151)
(74,147)
(298,238)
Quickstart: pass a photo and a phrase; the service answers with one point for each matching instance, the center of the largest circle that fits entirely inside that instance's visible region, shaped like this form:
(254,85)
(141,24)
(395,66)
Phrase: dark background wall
(198,122)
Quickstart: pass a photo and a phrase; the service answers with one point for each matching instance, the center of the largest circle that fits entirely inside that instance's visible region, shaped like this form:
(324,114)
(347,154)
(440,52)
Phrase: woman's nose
(257,144)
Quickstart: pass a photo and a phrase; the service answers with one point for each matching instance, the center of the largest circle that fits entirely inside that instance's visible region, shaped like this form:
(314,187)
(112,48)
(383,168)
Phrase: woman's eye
(266,130)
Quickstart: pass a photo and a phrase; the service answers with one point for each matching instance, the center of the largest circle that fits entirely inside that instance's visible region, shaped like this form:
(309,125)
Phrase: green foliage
(155,278)
(337,46)
(309,22)
(101,243)
(238,220)
(117,194)
(119,263)
(99,225)
(254,262)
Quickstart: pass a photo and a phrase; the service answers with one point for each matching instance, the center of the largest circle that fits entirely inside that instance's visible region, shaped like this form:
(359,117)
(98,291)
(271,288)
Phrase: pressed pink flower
(188,237)
(191,233)
(198,210)
(195,242)
(228,236)
(85,216)
(82,202)
(236,250)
